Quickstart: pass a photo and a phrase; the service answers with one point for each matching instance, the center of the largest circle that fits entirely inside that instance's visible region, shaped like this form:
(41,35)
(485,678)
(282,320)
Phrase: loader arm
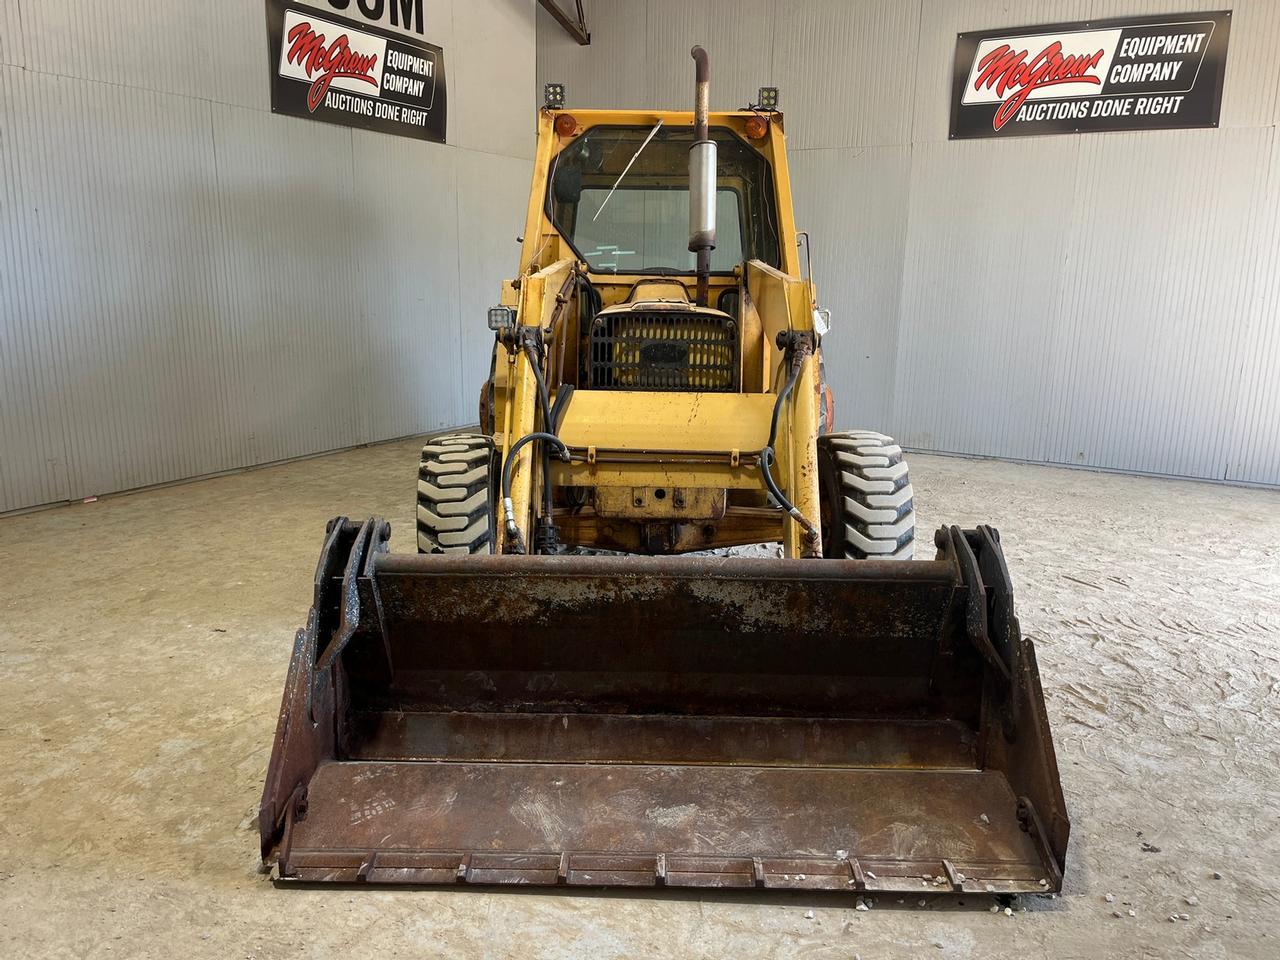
(540,298)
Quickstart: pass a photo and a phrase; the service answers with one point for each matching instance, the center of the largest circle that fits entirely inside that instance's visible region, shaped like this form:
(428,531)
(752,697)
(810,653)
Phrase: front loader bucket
(817,724)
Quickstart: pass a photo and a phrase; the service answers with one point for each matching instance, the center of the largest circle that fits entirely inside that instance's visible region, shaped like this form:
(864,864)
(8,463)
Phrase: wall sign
(326,67)
(1137,73)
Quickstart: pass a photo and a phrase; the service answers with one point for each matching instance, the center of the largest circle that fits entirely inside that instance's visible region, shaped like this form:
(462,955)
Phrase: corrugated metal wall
(1108,300)
(190,284)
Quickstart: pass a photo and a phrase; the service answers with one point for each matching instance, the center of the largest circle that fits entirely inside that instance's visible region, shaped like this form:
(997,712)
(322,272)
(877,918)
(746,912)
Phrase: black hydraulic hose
(590,302)
(544,398)
(594,303)
(508,508)
(563,396)
(768,456)
(777,405)
(544,401)
(551,424)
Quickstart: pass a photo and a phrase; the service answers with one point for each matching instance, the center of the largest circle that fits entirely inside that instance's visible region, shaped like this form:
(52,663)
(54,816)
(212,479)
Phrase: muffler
(702,176)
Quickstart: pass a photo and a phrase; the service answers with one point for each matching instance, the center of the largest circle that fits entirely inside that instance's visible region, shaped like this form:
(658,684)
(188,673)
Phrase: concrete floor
(144,640)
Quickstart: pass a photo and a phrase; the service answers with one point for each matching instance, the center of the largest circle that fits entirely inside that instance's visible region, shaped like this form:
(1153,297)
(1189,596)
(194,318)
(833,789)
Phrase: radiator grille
(664,351)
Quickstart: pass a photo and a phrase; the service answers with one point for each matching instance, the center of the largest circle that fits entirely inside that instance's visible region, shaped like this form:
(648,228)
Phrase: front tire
(868,507)
(456,479)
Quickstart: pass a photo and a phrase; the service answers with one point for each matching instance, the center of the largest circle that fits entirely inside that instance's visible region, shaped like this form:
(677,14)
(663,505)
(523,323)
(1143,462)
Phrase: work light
(501,317)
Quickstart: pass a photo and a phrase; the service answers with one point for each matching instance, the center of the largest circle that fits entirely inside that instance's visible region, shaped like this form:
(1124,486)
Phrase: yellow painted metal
(660,290)
(536,311)
(660,503)
(785,304)
(695,441)
(542,242)
(697,422)
(786,211)
(615,288)
(745,476)
(518,409)
(774,295)
(754,368)
(802,465)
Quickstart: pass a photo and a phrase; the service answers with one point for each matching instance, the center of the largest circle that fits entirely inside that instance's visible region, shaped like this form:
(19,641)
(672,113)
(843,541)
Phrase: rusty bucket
(631,721)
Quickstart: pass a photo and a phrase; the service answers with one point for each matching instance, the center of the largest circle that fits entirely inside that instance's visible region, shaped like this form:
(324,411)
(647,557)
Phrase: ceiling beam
(575,28)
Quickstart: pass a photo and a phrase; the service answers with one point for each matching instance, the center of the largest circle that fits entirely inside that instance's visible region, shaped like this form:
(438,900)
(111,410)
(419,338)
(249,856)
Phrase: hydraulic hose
(767,456)
(550,424)
(544,402)
(508,508)
(563,396)
(544,398)
(547,435)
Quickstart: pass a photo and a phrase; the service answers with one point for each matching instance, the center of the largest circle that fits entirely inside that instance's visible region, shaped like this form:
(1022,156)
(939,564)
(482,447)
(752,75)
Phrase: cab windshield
(644,227)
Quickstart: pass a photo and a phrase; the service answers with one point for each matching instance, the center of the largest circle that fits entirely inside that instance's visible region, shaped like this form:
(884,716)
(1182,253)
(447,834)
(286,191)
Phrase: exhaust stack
(702,176)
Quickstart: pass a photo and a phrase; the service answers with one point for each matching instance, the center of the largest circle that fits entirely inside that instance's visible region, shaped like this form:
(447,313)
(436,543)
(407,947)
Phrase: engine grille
(663,351)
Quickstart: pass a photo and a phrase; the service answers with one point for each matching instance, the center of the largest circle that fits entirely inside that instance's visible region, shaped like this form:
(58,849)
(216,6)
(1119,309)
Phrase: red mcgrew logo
(307,49)
(1006,69)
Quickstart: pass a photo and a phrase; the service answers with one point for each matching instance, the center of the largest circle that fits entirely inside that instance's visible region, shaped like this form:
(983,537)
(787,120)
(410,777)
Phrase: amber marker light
(757,128)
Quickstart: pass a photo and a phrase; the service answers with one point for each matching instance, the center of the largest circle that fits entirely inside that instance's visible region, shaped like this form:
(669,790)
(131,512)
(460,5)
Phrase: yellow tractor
(498,709)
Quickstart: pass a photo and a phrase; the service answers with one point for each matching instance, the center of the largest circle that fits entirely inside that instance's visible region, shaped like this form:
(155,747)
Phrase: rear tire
(455,494)
(868,510)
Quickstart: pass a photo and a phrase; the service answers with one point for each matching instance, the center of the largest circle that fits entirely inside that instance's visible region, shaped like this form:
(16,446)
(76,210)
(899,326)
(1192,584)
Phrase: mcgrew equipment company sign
(1139,73)
(325,67)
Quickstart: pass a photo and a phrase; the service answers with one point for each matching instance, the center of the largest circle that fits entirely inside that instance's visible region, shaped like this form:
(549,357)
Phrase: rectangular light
(500,318)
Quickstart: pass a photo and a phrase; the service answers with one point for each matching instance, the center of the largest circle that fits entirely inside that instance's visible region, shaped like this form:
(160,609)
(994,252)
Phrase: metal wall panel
(1157,284)
(405,260)
(987,237)
(238,55)
(189,284)
(148,44)
(851,201)
(288,282)
(12,49)
(612,71)
(845,70)
(1255,451)
(736,33)
(490,63)
(114,258)
(493,197)
(33,467)
(1106,300)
